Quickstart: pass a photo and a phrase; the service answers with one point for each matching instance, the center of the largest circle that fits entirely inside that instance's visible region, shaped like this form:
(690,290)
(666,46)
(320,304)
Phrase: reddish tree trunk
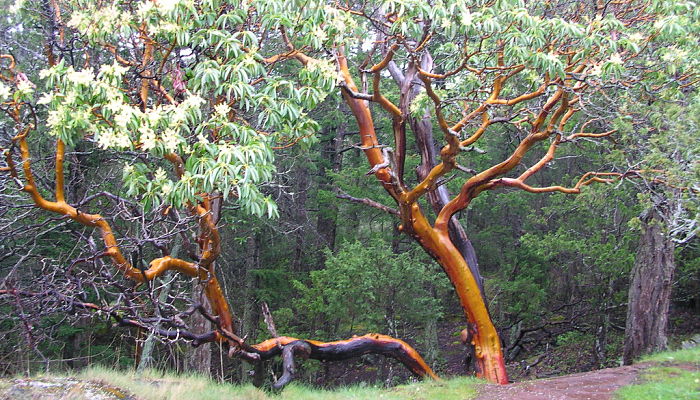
(436,241)
(482,333)
(650,288)
(423,131)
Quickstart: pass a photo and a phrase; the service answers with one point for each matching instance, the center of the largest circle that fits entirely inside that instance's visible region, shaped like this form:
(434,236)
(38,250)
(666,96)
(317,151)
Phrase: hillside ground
(669,375)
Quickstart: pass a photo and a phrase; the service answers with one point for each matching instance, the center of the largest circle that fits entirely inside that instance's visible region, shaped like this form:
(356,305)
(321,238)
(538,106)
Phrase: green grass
(667,381)
(664,383)
(691,355)
(154,385)
(452,389)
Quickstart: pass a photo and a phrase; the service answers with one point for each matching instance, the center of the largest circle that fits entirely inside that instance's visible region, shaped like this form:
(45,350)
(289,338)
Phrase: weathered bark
(427,147)
(650,287)
(337,351)
(199,358)
(297,348)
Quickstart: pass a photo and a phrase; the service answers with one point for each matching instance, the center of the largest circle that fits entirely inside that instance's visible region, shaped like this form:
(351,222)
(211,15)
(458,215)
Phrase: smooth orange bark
(489,354)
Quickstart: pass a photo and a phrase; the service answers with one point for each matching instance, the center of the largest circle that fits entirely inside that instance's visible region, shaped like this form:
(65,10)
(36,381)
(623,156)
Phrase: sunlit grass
(691,355)
(457,389)
(663,383)
(666,381)
(155,385)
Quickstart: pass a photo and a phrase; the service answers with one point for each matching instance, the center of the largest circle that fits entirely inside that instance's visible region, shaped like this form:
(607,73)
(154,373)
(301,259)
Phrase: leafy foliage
(357,292)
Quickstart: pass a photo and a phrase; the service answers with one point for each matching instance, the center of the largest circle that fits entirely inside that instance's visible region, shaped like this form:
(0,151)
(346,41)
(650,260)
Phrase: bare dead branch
(368,202)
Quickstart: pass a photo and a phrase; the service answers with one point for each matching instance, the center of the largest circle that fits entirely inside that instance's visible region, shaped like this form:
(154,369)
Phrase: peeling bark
(436,240)
(340,350)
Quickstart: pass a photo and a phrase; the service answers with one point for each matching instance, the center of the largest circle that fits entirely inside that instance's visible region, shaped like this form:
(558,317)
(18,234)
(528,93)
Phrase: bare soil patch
(594,385)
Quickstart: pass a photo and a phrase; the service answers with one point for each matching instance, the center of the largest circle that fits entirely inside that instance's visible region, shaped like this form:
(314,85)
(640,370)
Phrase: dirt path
(594,385)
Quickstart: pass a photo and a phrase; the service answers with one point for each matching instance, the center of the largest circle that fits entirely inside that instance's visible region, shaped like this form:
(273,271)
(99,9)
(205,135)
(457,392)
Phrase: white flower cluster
(45,98)
(54,119)
(222,109)
(202,139)
(675,55)
(445,23)
(162,6)
(167,16)
(113,122)
(5,91)
(171,139)
(110,138)
(101,21)
(325,68)
(150,121)
(615,59)
(160,174)
(83,77)
(148,138)
(466,18)
(16,6)
(166,5)
(369,43)
(165,27)
(637,37)
(339,20)
(320,34)
(160,178)
(166,188)
(25,89)
(113,70)
(552,57)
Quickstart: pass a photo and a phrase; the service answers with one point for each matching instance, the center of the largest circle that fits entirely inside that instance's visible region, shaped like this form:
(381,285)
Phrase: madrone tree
(539,74)
(182,92)
(207,89)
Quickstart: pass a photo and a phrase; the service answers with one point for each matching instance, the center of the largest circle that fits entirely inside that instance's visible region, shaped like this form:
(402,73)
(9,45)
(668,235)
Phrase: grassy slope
(666,381)
(155,385)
